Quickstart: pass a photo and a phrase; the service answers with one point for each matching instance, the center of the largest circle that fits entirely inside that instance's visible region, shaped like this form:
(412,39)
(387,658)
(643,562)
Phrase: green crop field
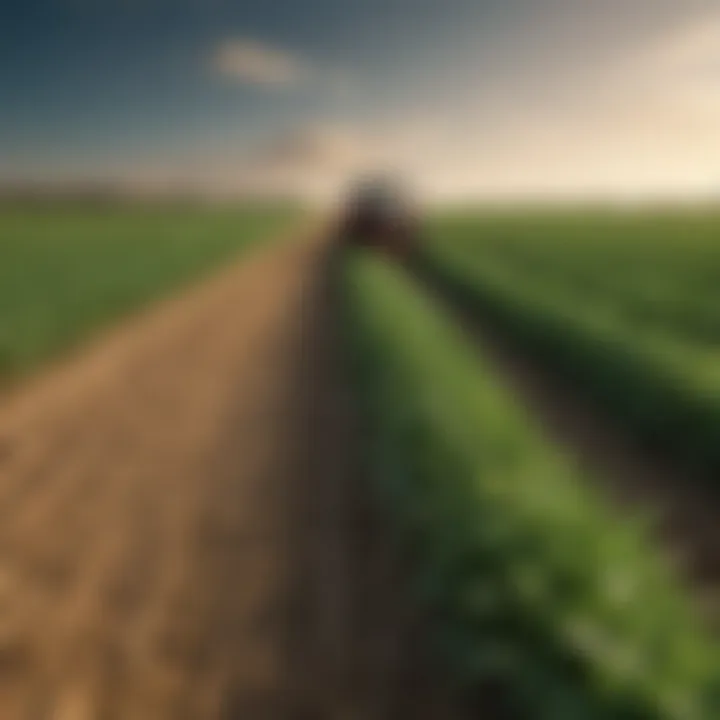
(535,580)
(67,270)
(531,580)
(625,306)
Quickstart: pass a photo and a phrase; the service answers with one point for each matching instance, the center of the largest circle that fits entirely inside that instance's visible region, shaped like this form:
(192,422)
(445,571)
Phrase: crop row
(661,389)
(670,284)
(533,585)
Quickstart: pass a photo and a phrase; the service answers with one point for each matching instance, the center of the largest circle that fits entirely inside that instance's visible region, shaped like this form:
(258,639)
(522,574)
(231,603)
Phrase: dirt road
(182,534)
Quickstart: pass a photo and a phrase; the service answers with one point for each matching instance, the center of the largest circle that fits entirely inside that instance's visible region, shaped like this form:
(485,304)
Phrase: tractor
(378,215)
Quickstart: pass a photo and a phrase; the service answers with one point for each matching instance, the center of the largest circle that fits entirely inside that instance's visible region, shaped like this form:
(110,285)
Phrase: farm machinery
(378,215)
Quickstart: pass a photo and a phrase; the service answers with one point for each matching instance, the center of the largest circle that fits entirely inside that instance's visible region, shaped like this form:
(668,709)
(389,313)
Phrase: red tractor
(378,215)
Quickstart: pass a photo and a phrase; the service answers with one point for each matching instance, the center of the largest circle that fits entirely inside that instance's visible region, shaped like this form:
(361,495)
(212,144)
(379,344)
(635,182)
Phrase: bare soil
(184,530)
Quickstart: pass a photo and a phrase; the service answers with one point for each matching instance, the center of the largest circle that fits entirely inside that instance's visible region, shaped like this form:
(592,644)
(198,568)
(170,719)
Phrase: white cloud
(315,160)
(256,63)
(317,145)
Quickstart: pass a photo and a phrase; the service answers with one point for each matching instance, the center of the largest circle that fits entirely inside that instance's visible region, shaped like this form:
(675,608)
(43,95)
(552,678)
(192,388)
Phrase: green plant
(68,270)
(567,309)
(530,579)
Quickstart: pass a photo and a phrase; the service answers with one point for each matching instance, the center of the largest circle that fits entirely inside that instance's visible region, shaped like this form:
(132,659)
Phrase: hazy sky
(469,96)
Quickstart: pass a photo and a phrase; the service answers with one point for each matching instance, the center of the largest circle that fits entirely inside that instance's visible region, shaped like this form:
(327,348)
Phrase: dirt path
(182,530)
(682,509)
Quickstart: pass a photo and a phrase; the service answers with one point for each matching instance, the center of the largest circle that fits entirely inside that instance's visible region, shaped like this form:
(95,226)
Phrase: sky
(465,97)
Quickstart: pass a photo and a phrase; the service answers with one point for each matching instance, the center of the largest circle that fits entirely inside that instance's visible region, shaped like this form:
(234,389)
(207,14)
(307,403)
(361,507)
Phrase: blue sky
(478,93)
(80,78)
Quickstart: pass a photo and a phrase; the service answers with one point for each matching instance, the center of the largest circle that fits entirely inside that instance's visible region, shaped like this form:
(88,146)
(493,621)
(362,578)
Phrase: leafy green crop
(653,271)
(584,310)
(531,580)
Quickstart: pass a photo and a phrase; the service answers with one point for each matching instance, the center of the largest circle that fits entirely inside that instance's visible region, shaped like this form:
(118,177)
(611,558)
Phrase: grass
(68,270)
(533,584)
